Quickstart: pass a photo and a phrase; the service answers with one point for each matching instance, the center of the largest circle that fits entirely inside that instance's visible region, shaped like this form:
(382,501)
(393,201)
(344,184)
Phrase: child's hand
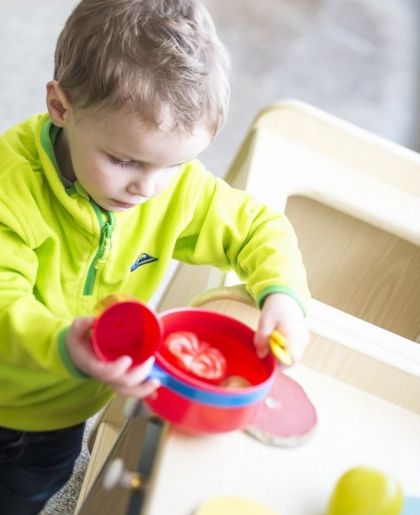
(283,313)
(130,382)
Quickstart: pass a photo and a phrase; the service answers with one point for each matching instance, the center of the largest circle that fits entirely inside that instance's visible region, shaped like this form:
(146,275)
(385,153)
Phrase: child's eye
(119,162)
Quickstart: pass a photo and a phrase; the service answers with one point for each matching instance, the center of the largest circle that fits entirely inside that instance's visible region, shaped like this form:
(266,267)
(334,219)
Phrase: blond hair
(149,56)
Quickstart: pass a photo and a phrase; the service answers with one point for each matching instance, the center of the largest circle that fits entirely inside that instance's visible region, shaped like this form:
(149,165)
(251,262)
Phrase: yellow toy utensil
(278,346)
(109,301)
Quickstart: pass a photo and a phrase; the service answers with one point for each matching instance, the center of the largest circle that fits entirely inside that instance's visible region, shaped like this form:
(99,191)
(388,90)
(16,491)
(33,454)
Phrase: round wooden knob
(116,475)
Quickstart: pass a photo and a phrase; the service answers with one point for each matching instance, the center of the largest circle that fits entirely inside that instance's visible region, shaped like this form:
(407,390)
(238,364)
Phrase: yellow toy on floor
(233,506)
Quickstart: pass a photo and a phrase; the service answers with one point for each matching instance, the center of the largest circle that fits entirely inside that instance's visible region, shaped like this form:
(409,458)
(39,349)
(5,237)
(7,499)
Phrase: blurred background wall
(357,59)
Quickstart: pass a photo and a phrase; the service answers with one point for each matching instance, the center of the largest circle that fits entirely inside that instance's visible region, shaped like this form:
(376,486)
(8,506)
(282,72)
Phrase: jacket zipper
(104,247)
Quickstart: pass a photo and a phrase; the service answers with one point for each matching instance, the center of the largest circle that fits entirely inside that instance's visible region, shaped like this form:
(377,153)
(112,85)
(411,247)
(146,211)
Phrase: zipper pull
(105,246)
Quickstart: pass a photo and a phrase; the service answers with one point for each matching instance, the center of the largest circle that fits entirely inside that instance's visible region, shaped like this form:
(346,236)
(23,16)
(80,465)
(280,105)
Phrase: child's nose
(143,187)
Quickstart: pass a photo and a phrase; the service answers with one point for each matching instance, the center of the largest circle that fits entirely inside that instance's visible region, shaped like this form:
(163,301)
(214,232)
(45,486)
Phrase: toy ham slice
(286,417)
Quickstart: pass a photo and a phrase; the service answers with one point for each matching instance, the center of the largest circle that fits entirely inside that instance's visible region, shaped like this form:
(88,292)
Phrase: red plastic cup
(127,328)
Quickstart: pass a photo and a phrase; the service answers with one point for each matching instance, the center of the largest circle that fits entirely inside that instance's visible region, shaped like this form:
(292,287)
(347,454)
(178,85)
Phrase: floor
(356,59)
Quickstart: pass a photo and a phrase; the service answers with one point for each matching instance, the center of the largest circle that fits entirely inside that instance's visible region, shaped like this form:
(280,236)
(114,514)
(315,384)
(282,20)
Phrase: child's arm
(130,382)
(229,228)
(281,312)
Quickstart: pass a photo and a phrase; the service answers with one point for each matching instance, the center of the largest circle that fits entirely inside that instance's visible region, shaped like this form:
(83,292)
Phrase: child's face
(121,162)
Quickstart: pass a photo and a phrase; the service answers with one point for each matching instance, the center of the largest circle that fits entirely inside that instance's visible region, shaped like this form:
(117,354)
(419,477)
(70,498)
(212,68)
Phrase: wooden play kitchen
(354,200)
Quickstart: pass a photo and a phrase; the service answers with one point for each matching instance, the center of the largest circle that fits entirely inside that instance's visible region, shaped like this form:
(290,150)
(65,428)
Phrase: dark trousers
(34,466)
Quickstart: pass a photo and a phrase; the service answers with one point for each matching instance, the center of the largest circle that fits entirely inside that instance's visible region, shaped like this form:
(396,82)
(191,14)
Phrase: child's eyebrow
(118,155)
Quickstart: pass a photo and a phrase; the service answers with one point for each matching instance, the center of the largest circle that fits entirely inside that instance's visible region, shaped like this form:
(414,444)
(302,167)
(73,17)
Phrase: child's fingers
(137,374)
(140,391)
(261,338)
(261,344)
(111,372)
(274,340)
(81,327)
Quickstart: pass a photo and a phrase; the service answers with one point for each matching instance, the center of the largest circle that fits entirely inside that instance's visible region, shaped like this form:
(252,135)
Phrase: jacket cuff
(281,289)
(65,356)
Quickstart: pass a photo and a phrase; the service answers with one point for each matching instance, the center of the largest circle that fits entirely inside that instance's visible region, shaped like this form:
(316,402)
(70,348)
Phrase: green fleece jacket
(61,253)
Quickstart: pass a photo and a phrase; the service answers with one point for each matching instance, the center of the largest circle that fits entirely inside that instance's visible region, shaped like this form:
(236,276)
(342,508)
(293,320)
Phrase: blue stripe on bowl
(225,400)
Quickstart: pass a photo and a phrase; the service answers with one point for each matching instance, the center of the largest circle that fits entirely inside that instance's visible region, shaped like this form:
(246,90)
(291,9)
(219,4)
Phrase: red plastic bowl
(235,340)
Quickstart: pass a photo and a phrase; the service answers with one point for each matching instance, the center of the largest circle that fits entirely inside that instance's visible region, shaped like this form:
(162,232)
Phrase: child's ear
(57,104)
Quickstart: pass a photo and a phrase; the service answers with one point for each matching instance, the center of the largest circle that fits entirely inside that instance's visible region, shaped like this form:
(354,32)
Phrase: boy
(96,197)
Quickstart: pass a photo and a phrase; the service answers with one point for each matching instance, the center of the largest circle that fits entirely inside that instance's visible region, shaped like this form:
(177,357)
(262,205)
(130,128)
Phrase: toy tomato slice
(209,363)
(195,356)
(183,346)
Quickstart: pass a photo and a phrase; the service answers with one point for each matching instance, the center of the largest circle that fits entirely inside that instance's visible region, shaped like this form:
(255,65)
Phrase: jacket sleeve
(30,335)
(231,229)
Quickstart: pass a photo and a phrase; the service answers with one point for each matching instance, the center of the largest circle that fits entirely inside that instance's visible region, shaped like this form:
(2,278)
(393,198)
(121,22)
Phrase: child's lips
(123,205)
